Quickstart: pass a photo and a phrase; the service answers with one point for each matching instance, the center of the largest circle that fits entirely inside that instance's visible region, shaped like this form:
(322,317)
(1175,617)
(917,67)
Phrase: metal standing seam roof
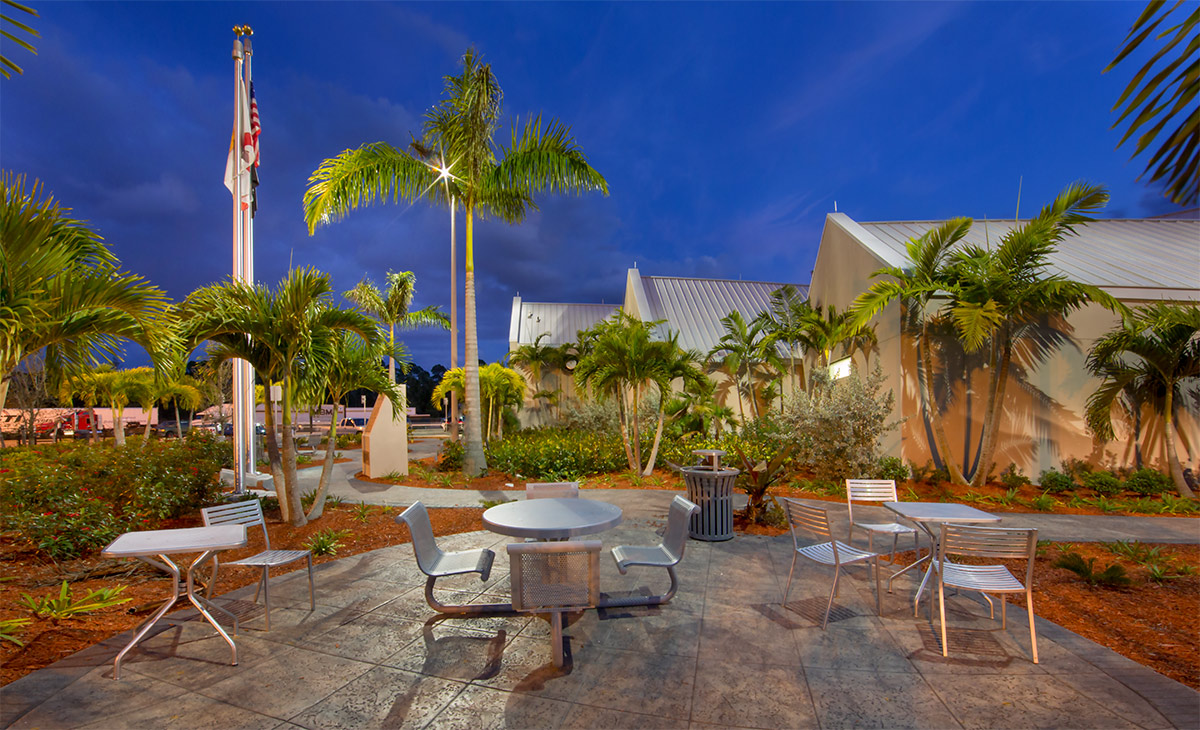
(1145,254)
(694,307)
(561,321)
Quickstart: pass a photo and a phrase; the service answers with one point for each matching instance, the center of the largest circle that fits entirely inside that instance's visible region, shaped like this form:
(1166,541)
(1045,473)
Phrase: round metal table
(552,519)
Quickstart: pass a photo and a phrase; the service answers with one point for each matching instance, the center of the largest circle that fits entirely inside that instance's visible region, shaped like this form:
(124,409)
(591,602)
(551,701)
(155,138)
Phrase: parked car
(172,429)
(259,429)
(352,424)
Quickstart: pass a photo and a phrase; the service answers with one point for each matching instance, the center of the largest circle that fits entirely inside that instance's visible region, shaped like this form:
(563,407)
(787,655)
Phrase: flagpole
(241,464)
(248,260)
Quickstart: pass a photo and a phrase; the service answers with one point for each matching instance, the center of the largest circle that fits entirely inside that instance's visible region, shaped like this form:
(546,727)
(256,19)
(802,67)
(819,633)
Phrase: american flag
(255,127)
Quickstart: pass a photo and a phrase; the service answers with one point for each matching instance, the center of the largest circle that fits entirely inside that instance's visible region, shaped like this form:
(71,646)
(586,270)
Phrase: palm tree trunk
(622,421)
(474,460)
(657,440)
(275,464)
(95,435)
(737,388)
(318,505)
(3,402)
(392,352)
(637,429)
(289,460)
(1181,484)
(935,413)
(118,430)
(991,432)
(146,430)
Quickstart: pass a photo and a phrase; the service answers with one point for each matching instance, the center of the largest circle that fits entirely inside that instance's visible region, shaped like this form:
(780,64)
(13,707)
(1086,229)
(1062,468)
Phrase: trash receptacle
(711,488)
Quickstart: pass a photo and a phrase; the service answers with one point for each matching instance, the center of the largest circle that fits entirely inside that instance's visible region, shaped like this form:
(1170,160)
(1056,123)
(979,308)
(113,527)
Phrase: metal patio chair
(249,513)
(436,563)
(667,554)
(876,490)
(554,578)
(986,542)
(542,490)
(835,553)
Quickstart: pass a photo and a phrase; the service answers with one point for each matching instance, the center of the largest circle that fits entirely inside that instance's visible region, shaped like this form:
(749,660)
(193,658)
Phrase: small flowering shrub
(557,454)
(72,498)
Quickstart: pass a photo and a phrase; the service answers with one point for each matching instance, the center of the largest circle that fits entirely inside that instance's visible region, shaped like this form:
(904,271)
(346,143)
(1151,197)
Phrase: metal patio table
(552,519)
(153,547)
(929,516)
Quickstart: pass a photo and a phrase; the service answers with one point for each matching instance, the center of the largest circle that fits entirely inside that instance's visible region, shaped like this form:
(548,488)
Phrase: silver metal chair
(542,490)
(249,513)
(555,577)
(835,553)
(876,490)
(665,555)
(436,563)
(986,542)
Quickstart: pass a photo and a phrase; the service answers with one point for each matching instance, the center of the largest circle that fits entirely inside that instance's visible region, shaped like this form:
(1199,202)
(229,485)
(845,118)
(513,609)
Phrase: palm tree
(827,329)
(680,365)
(486,178)
(997,295)
(85,386)
(60,289)
(785,320)
(152,388)
(392,308)
(281,334)
(1156,101)
(533,357)
(1155,352)
(916,285)
(353,363)
(116,388)
(7,65)
(499,387)
(744,345)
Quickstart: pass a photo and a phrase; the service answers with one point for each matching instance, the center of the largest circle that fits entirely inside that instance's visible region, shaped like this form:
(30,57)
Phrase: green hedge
(73,498)
(557,454)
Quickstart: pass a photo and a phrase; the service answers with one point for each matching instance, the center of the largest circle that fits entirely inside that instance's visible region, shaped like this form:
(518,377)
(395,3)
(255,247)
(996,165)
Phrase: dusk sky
(726,132)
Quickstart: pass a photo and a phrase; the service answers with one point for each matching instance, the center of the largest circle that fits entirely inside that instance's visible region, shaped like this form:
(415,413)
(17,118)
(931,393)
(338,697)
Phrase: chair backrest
(554,575)
(678,518)
(247,513)
(424,544)
(869,490)
(806,517)
(1013,543)
(542,490)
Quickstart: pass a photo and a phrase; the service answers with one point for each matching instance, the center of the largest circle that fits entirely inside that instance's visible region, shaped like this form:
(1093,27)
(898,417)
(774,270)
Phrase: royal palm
(486,178)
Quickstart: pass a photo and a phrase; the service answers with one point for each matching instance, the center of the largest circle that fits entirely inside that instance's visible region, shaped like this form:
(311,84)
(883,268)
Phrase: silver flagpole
(248,263)
(240,462)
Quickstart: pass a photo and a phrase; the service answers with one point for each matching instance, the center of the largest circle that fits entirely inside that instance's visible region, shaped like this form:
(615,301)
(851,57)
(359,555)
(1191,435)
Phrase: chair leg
(789,581)
(942,614)
(832,593)
(895,539)
(878,596)
(212,581)
(556,637)
(1003,611)
(312,597)
(1032,630)
(266,597)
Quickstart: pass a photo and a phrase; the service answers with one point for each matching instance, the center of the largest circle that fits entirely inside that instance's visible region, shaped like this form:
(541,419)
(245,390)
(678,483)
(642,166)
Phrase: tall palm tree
(916,285)
(785,320)
(997,294)
(391,308)
(281,333)
(1156,97)
(150,389)
(61,290)
(1156,352)
(488,179)
(353,363)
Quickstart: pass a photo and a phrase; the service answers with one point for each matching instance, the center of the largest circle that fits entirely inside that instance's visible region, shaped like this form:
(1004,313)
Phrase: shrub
(930,473)
(1149,482)
(838,423)
(892,467)
(556,454)
(1114,575)
(327,541)
(1075,468)
(1055,481)
(1043,503)
(1013,479)
(1102,482)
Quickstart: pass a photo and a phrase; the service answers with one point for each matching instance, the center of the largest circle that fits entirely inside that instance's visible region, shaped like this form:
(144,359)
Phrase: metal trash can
(711,488)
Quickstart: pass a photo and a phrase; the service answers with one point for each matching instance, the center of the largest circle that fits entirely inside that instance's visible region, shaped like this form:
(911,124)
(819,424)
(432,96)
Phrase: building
(1136,261)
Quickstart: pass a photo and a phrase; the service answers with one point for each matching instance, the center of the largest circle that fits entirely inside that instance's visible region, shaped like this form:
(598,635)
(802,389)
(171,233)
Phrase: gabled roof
(1131,259)
(561,322)
(694,307)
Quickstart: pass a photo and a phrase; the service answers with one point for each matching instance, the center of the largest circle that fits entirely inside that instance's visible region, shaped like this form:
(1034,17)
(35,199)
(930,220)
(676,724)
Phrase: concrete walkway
(726,653)
(638,502)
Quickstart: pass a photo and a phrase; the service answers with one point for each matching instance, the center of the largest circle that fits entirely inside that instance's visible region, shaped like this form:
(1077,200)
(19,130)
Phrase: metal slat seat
(806,517)
(249,513)
(543,490)
(986,542)
(876,490)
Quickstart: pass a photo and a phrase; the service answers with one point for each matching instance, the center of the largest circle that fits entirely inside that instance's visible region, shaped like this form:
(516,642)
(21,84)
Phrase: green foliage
(1009,497)
(65,606)
(1145,505)
(1112,576)
(1135,551)
(1149,482)
(837,424)
(930,473)
(1056,482)
(9,628)
(763,456)
(327,541)
(489,503)
(774,516)
(1075,468)
(451,458)
(892,467)
(556,454)
(823,487)
(1180,505)
(1012,478)
(1105,505)
(361,512)
(1043,503)
(72,498)
(1102,482)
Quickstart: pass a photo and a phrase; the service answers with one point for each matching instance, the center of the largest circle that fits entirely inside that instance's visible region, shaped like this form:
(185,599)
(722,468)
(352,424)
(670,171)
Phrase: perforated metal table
(552,519)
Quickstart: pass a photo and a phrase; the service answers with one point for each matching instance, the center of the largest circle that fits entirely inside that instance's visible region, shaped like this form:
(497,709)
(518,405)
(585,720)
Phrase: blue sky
(726,131)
